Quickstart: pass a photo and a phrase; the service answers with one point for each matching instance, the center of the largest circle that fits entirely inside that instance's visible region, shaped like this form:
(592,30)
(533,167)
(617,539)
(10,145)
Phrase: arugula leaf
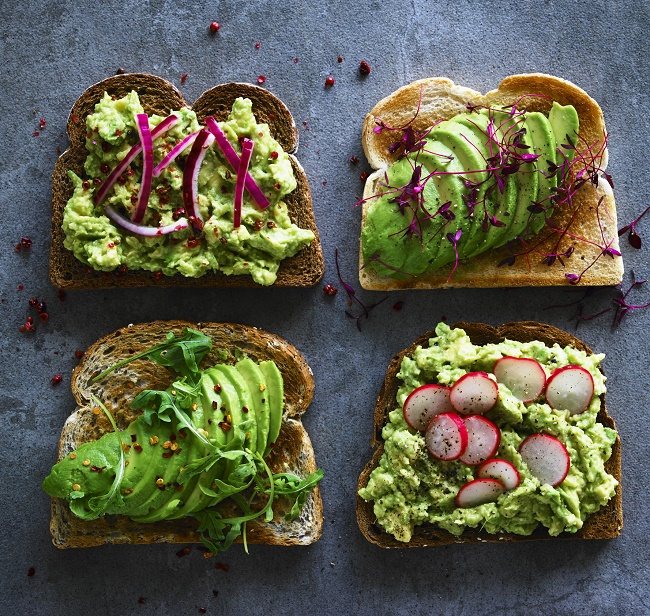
(183,354)
(290,485)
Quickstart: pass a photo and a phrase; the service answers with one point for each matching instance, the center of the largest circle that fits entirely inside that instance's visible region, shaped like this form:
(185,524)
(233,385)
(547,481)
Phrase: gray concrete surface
(51,51)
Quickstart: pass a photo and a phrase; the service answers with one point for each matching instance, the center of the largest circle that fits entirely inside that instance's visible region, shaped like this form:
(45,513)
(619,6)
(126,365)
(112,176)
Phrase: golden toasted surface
(441,98)
(292,452)
(158,96)
(606,523)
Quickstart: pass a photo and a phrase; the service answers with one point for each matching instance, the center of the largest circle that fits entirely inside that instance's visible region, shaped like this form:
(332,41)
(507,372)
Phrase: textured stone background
(51,51)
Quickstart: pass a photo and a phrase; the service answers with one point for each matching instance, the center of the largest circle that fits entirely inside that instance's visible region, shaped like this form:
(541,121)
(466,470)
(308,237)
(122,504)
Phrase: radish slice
(244,161)
(107,184)
(191,174)
(474,392)
(500,469)
(173,154)
(446,436)
(483,439)
(146,140)
(523,376)
(424,403)
(178,225)
(546,457)
(479,492)
(570,388)
(233,160)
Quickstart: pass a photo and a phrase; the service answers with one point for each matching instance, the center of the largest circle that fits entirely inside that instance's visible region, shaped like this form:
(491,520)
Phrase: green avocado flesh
(409,487)
(256,248)
(245,398)
(472,164)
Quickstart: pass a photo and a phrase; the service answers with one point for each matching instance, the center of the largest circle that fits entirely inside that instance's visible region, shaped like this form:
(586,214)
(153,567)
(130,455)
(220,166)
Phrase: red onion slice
(191,174)
(147,167)
(127,224)
(233,159)
(163,127)
(173,154)
(242,172)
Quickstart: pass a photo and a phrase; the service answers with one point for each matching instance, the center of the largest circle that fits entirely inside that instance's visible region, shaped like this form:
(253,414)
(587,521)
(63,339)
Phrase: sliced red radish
(546,457)
(479,492)
(446,436)
(570,388)
(424,403)
(502,470)
(483,439)
(474,392)
(523,376)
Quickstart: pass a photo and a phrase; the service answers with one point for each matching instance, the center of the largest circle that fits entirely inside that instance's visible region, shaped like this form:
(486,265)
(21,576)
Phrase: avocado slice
(565,124)
(275,393)
(254,378)
(246,409)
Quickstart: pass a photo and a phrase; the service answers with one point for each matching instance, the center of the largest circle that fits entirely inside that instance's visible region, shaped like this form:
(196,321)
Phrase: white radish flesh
(500,469)
(473,393)
(523,376)
(424,403)
(546,457)
(570,388)
(478,492)
(446,436)
(483,438)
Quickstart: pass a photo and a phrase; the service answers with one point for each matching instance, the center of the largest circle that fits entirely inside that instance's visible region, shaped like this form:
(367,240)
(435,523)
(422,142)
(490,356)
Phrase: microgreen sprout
(633,237)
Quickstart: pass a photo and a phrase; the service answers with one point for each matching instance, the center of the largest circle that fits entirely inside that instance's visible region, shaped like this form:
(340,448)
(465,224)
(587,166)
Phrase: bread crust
(292,451)
(606,523)
(159,96)
(441,99)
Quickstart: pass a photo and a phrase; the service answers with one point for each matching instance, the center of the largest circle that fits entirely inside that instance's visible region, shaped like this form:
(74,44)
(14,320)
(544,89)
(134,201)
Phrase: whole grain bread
(441,98)
(292,452)
(606,523)
(158,96)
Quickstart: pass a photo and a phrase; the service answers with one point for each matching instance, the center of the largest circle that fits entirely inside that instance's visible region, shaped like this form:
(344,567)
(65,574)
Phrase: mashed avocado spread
(255,248)
(468,185)
(409,487)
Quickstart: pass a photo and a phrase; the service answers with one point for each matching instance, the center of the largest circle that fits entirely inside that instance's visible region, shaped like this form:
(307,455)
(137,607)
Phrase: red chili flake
(142,600)
(244,409)
(258,45)
(270,224)
(184,551)
(20,287)
(184,77)
(104,168)
(74,119)
(330,289)
(42,123)
(273,155)
(340,59)
(97,469)
(398,305)
(217,388)
(178,213)
(78,353)
(364,67)
(215,27)
(134,438)
(222,567)
(44,316)
(167,454)
(196,223)
(35,134)
(31,571)
(120,71)
(296,60)
(215,405)
(354,160)
(137,447)
(85,184)
(363,176)
(33,302)
(258,225)
(193,242)
(225,426)
(97,181)
(56,379)
(329,81)
(158,276)
(261,79)
(122,270)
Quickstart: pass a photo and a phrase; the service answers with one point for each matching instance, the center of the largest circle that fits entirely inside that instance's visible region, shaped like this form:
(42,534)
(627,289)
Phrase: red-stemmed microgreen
(622,306)
(453,239)
(633,237)
(363,310)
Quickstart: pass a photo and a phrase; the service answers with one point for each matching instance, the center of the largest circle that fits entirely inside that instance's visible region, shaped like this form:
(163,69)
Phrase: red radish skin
(546,457)
(424,403)
(478,492)
(523,376)
(502,470)
(570,388)
(483,439)
(474,393)
(446,437)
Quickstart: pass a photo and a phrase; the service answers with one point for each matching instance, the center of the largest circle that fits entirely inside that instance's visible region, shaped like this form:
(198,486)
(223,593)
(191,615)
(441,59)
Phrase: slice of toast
(606,523)
(442,99)
(292,452)
(158,96)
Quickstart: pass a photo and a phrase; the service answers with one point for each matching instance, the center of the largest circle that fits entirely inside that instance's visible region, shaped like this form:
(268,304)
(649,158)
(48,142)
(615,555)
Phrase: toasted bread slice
(606,523)
(292,452)
(442,99)
(159,96)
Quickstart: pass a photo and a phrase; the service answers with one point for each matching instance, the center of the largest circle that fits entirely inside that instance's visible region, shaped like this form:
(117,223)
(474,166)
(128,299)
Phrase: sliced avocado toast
(187,433)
